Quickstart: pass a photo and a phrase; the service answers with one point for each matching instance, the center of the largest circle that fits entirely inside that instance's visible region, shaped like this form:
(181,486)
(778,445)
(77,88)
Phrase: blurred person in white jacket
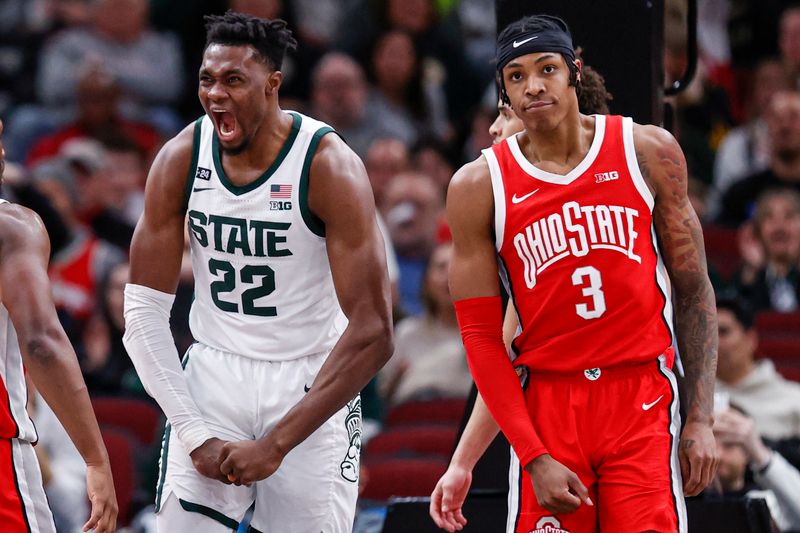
(774,479)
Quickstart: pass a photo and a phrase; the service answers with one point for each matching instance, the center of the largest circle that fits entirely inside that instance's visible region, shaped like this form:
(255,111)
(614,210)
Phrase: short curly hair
(593,97)
(270,38)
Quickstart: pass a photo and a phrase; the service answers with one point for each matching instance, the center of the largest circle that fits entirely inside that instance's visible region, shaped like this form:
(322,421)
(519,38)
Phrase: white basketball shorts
(316,487)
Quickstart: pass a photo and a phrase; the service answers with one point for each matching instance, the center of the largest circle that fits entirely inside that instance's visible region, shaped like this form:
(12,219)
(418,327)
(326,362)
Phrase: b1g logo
(278,205)
(548,524)
(600,177)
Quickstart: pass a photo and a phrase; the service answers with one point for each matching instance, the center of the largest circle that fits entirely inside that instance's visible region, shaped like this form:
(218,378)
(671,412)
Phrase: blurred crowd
(90,90)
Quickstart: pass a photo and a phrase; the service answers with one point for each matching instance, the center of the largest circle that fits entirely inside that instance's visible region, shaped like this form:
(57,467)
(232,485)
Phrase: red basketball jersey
(578,253)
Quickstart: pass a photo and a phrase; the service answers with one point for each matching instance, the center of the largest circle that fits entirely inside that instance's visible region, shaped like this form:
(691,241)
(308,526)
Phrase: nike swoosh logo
(517,199)
(198,189)
(306,388)
(517,44)
(647,406)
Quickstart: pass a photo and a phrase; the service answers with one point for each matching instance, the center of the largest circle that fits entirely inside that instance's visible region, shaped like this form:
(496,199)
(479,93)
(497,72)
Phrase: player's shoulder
(169,172)
(333,156)
(473,177)
(648,137)
(178,150)
(20,226)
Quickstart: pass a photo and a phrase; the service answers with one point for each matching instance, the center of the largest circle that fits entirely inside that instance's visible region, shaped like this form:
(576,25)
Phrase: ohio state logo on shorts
(548,524)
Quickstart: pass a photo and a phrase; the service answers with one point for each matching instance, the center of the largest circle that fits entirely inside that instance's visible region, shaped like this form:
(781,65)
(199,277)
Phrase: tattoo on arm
(681,242)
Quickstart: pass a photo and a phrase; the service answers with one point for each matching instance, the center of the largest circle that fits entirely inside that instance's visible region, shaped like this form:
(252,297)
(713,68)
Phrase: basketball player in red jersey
(589,220)
(451,490)
(30,333)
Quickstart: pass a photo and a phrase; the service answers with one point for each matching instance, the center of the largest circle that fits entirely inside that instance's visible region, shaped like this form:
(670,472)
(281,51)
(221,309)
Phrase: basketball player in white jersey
(292,305)
(33,341)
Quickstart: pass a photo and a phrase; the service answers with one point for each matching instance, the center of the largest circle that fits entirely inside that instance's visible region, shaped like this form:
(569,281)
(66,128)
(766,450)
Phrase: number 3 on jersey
(248,275)
(593,286)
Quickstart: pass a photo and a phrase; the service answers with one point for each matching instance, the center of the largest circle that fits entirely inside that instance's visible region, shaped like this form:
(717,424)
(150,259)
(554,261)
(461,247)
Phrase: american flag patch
(280,191)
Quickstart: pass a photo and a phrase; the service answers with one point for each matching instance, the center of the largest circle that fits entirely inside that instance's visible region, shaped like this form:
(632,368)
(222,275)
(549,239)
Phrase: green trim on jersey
(237,190)
(312,221)
(187,188)
(162,475)
(209,512)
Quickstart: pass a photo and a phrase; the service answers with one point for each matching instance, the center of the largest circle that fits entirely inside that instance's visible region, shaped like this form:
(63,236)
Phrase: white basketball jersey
(14,419)
(263,285)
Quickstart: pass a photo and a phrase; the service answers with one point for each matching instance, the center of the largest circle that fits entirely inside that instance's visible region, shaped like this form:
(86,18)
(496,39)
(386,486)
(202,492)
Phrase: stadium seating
(442,411)
(141,418)
(774,325)
(402,477)
(722,249)
(121,455)
(412,441)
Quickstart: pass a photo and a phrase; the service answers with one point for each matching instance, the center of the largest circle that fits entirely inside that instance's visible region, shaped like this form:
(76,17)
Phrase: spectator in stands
(789,42)
(430,157)
(146,65)
(407,86)
(479,135)
(769,278)
(339,96)
(98,117)
(129,173)
(428,346)
(741,448)
(385,159)
(436,36)
(106,366)
(755,386)
(69,184)
(702,112)
(783,124)
(745,149)
(412,208)
(478,25)
(101,195)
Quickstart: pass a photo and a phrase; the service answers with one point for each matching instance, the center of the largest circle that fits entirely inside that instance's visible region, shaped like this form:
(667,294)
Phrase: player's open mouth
(227,126)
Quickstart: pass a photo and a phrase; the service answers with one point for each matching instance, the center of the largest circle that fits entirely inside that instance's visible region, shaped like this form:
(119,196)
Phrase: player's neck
(787,167)
(780,267)
(736,374)
(566,144)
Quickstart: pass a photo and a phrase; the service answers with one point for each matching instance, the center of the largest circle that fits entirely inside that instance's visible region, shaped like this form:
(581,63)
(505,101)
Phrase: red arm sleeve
(481,324)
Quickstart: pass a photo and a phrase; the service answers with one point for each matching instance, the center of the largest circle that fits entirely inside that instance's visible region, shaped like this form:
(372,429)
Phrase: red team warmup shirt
(579,255)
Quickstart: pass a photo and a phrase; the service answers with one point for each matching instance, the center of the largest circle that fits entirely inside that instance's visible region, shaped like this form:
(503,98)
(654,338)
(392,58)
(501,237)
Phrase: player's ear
(579,65)
(274,81)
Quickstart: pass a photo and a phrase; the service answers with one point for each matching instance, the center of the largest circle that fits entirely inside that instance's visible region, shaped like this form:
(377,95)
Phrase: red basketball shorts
(618,430)
(23,504)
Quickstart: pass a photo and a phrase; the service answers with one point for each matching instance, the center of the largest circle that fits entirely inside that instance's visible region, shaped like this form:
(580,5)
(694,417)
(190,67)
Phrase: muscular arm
(48,356)
(340,195)
(156,252)
(681,241)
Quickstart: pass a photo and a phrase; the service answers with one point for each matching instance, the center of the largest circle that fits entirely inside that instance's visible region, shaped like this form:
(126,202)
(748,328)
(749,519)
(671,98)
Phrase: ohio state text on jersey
(578,253)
